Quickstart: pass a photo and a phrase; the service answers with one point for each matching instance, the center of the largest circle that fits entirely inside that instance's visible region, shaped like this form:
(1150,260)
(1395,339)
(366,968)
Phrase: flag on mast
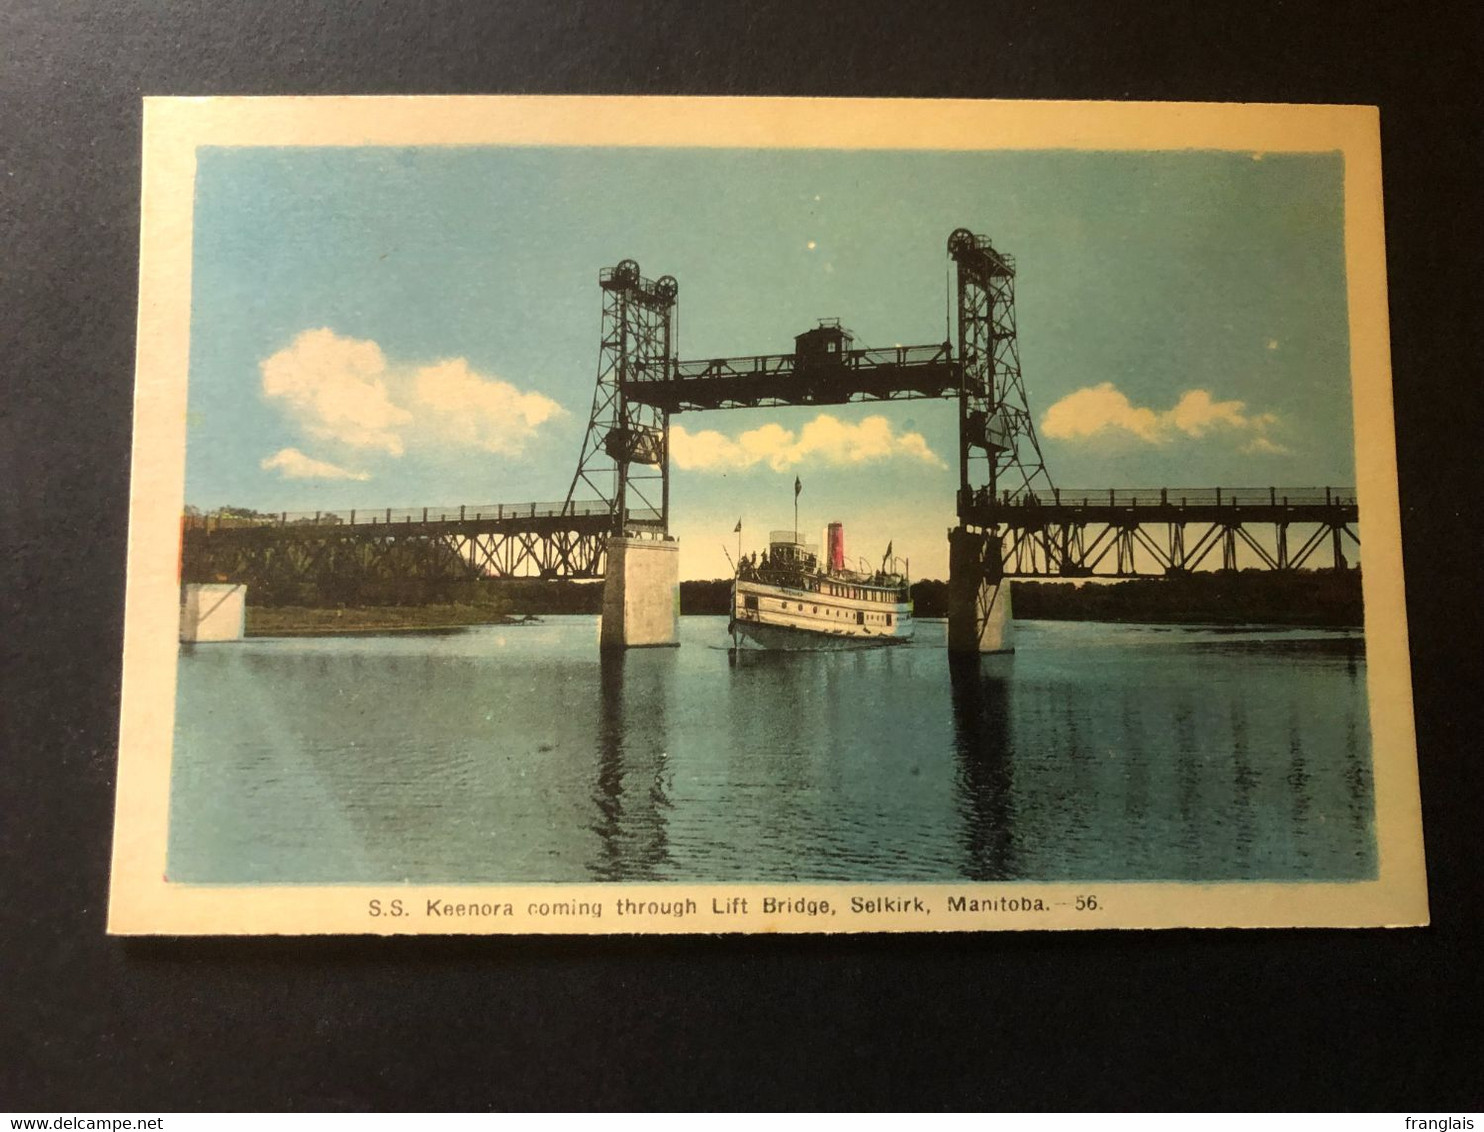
(798,487)
(737,530)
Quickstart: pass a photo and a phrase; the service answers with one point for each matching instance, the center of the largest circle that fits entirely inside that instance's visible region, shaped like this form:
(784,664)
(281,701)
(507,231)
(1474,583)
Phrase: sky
(396,327)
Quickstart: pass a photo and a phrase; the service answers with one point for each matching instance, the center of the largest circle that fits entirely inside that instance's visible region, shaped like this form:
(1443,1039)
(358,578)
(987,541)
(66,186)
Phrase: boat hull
(794,620)
(781,638)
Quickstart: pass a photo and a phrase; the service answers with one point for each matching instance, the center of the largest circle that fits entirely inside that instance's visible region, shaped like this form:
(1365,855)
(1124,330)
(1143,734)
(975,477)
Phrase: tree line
(1303,597)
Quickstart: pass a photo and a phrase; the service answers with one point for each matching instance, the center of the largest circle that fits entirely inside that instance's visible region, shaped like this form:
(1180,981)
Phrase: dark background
(1291,1019)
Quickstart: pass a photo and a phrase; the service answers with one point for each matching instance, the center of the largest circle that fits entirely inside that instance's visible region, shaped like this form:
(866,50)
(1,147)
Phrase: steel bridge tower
(625,458)
(999,456)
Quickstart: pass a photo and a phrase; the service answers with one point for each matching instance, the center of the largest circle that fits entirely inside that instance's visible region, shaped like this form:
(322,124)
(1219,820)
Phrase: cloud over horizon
(344,392)
(1105,411)
(825,440)
(292,464)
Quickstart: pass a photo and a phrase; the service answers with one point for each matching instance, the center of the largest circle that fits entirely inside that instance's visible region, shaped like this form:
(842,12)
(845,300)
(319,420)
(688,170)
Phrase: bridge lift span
(625,452)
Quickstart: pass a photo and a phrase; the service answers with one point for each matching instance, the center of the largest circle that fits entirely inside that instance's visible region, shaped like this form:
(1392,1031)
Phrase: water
(519,754)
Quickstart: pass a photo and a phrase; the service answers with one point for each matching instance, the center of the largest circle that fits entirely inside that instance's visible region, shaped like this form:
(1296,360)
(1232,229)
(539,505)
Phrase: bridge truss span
(1110,532)
(353,551)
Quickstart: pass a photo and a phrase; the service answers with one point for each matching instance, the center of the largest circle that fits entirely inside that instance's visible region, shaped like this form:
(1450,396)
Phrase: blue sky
(380,327)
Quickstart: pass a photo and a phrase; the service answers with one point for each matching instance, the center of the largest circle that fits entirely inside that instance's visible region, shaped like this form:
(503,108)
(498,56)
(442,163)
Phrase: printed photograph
(958,534)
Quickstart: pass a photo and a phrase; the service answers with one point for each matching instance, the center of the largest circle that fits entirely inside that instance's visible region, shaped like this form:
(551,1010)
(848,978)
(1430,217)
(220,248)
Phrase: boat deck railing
(795,579)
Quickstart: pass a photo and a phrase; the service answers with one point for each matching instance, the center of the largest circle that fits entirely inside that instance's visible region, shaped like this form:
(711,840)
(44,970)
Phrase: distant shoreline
(393,627)
(1313,599)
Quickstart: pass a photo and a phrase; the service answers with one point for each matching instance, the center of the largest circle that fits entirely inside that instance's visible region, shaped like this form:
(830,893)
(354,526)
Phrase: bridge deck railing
(393,516)
(1134,497)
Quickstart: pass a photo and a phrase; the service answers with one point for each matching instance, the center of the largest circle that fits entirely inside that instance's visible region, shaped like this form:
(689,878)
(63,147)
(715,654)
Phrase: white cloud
(1101,408)
(824,440)
(292,464)
(1196,414)
(1262,445)
(1104,410)
(344,390)
(456,404)
(336,389)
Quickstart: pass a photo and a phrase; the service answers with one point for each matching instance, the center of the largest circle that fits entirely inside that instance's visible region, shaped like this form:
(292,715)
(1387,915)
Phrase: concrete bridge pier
(641,593)
(979,619)
(212,612)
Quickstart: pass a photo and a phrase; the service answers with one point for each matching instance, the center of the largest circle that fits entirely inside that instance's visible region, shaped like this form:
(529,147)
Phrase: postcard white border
(142,901)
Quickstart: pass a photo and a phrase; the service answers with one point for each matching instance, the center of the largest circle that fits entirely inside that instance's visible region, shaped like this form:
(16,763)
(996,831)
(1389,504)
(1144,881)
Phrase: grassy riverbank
(302,621)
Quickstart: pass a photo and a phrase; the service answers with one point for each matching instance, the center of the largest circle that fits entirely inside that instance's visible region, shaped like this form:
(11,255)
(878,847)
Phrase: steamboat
(786,598)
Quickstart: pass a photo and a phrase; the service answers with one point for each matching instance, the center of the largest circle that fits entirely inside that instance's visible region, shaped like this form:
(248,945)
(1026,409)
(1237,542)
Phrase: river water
(520,754)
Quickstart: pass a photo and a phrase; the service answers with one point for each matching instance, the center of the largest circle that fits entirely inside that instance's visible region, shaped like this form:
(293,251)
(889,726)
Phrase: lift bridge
(1013,522)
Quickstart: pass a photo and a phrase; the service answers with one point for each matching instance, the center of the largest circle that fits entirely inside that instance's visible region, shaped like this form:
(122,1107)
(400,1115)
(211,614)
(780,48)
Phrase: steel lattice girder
(510,548)
(1150,547)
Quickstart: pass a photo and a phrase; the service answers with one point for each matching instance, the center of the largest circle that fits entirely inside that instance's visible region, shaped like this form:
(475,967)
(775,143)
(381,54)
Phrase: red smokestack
(837,546)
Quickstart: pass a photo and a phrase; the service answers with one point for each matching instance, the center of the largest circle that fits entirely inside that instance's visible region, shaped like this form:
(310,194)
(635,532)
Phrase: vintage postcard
(597,515)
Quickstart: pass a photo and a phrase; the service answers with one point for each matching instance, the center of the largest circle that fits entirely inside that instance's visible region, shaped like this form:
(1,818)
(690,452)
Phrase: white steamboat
(787,599)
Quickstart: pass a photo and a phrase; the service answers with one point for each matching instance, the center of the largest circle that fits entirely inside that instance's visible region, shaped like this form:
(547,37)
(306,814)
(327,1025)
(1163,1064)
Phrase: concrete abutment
(641,594)
(979,617)
(213,612)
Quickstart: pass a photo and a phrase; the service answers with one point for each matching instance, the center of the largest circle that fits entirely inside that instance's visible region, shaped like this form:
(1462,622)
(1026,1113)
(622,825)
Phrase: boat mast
(798,487)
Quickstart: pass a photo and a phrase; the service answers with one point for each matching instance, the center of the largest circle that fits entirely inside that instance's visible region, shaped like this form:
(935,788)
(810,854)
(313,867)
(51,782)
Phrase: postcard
(690,515)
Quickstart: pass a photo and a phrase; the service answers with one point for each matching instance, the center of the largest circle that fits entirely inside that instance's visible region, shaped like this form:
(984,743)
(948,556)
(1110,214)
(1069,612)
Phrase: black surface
(1254,1019)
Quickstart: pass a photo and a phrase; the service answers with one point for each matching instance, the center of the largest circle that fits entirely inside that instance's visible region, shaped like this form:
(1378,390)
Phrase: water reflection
(632,785)
(1188,773)
(514,755)
(981,742)
(821,774)
(1135,777)
(1357,752)
(1299,783)
(1244,782)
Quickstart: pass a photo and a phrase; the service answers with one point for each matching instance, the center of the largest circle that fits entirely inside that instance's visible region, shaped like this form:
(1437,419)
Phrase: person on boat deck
(765,560)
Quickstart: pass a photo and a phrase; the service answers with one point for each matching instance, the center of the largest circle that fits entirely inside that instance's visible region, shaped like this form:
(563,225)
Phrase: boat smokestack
(837,546)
